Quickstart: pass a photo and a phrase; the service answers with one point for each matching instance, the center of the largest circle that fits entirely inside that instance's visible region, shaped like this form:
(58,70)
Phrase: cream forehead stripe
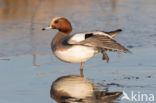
(56,18)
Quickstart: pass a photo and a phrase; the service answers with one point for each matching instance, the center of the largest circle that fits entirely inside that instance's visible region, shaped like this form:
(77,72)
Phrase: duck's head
(60,23)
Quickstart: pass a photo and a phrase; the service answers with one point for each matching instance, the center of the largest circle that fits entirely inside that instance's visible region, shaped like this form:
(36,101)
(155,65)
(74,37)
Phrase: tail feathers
(113,33)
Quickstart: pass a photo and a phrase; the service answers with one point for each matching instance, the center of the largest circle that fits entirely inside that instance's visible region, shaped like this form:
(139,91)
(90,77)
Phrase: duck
(79,47)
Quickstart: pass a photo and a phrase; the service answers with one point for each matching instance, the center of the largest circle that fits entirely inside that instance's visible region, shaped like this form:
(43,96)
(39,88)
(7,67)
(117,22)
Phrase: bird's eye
(56,21)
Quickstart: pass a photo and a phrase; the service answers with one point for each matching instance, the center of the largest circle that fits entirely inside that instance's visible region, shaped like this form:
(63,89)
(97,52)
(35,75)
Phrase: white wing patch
(81,36)
(77,38)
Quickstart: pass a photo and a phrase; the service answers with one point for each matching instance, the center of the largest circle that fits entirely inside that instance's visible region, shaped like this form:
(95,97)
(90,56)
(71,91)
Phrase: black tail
(113,33)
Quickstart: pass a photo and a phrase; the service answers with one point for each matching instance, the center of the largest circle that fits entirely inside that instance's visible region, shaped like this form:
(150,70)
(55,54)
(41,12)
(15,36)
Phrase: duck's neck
(66,31)
(57,42)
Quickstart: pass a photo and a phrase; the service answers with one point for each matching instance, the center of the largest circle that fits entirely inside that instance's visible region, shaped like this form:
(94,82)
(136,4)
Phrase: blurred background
(28,67)
(21,22)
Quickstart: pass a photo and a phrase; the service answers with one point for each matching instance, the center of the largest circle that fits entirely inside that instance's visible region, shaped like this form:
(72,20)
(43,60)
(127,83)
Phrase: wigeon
(81,46)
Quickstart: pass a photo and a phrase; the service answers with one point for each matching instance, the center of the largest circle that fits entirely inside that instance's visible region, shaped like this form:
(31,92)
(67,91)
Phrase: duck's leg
(81,69)
(105,56)
(81,73)
(82,64)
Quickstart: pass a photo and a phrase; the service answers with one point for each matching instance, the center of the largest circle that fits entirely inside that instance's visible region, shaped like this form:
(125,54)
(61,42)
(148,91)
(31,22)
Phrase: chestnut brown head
(60,23)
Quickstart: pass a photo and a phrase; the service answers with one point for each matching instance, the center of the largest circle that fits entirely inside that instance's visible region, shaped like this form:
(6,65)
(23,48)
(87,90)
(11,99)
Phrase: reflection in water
(113,2)
(76,89)
(11,8)
(40,64)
